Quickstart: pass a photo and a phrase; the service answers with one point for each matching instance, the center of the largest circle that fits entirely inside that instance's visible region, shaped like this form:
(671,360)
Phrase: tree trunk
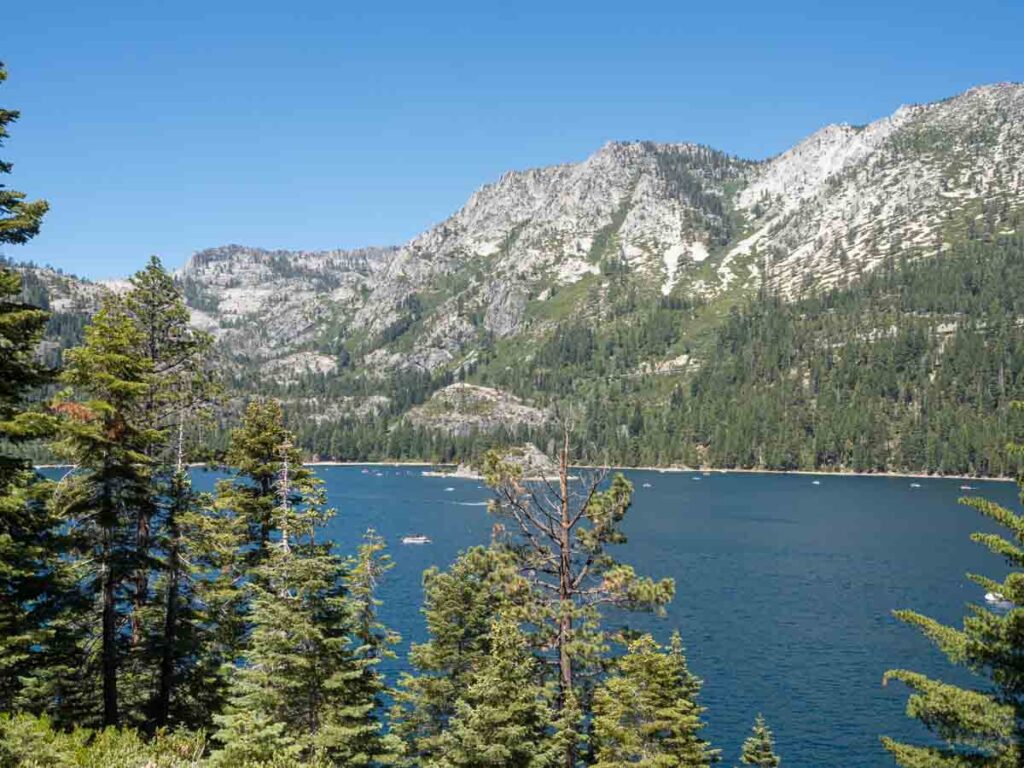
(141,576)
(109,621)
(565,592)
(170,638)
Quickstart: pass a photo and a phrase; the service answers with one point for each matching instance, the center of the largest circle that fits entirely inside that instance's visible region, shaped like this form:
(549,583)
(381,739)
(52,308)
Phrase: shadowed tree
(104,435)
(29,564)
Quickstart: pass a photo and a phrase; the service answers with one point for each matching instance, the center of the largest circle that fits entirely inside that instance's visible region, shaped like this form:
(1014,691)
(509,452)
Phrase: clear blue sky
(166,127)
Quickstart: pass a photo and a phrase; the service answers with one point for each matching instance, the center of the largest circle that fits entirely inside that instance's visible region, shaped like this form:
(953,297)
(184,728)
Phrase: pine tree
(19,219)
(287,683)
(180,387)
(502,718)
(983,726)
(104,435)
(256,455)
(305,687)
(646,711)
(352,734)
(560,535)
(759,747)
(28,553)
(28,530)
(196,623)
(460,605)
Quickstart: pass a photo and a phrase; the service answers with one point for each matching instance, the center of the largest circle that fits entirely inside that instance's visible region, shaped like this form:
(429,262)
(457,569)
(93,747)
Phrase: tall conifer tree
(19,218)
(29,566)
(104,434)
(560,534)
(180,386)
(305,687)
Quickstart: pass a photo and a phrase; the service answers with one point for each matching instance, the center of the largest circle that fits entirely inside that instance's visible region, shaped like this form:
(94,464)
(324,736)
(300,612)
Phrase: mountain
(843,199)
(614,279)
(487,271)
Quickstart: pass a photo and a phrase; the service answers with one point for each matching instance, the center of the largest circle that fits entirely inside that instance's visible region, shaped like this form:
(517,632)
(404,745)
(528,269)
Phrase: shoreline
(660,470)
(681,469)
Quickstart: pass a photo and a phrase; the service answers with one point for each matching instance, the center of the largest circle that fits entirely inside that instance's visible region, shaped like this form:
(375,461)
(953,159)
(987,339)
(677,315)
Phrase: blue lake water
(784,587)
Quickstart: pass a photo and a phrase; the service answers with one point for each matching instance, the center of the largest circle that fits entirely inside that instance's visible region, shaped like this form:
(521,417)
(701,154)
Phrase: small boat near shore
(996,600)
(416,539)
(968,488)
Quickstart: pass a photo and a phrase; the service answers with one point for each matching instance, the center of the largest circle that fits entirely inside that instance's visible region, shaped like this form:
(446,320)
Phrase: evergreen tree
(502,718)
(196,623)
(258,451)
(28,530)
(103,433)
(646,711)
(981,726)
(180,386)
(30,564)
(460,606)
(19,218)
(759,747)
(560,535)
(352,734)
(287,683)
(306,686)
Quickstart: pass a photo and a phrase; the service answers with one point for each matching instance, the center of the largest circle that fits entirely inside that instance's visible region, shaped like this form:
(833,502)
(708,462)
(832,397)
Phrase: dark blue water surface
(784,586)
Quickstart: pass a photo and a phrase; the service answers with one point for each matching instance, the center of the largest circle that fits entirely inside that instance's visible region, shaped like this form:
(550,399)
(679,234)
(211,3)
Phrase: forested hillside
(911,368)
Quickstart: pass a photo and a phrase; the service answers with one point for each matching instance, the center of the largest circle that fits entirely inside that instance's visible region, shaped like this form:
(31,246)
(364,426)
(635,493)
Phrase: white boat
(967,488)
(646,485)
(915,485)
(996,600)
(449,489)
(815,482)
(695,478)
(417,539)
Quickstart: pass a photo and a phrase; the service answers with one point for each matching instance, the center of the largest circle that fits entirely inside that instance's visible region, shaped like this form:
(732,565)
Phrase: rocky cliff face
(846,198)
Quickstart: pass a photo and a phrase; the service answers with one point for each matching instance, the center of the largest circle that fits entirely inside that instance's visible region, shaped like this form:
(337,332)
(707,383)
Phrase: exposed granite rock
(462,409)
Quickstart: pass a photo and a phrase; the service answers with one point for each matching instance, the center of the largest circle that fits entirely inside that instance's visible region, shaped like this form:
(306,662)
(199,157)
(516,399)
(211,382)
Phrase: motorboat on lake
(996,600)
(416,539)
